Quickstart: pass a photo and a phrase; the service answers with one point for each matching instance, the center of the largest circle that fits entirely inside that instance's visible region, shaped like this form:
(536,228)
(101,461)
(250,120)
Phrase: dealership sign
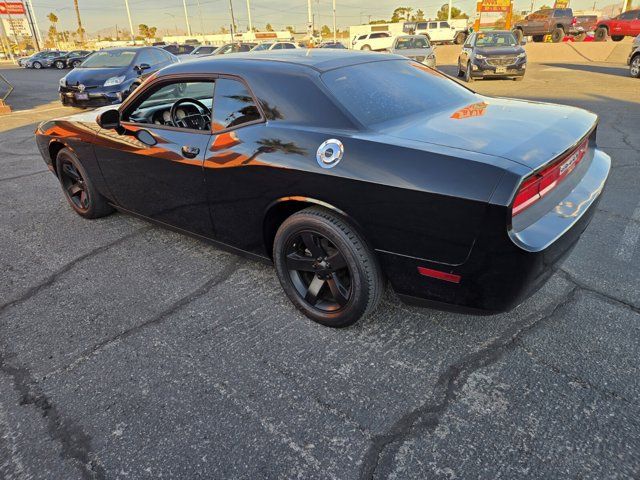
(12,8)
(495,6)
(17,26)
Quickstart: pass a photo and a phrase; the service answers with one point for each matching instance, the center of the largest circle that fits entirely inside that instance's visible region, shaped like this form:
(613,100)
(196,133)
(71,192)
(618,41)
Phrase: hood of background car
(491,51)
(93,76)
(529,133)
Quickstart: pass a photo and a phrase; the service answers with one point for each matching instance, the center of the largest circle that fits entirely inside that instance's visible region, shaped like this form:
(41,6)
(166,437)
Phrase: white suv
(373,41)
(438,32)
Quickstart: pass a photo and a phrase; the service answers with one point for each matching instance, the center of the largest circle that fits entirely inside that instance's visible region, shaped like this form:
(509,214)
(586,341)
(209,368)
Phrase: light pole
(186,17)
(201,19)
(29,5)
(133,35)
(334,22)
(309,20)
(233,21)
(249,15)
(449,13)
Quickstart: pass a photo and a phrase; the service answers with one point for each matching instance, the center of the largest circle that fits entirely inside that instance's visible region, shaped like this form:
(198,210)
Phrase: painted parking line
(630,237)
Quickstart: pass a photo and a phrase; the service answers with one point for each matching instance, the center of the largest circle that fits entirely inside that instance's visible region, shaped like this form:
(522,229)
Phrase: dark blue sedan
(108,77)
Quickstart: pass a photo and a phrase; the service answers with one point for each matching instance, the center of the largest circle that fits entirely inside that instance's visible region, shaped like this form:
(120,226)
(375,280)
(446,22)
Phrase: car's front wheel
(557,35)
(467,74)
(366,47)
(78,188)
(37,65)
(59,64)
(600,34)
(326,268)
(76,63)
(634,69)
(460,72)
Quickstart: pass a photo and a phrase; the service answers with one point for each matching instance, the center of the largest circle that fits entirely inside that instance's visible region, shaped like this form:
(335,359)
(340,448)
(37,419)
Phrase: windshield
(380,91)
(109,59)
(409,43)
(496,39)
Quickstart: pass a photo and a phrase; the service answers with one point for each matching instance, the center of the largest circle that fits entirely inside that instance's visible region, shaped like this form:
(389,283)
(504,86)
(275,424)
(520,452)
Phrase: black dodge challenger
(345,169)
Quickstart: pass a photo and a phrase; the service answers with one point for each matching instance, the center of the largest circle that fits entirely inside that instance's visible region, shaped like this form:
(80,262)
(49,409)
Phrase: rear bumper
(504,268)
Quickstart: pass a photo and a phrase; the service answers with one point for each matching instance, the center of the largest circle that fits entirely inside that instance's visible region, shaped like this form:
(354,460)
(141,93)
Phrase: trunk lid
(528,133)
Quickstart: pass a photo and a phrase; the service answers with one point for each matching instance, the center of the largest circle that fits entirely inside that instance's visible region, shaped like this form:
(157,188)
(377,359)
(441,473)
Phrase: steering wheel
(197,121)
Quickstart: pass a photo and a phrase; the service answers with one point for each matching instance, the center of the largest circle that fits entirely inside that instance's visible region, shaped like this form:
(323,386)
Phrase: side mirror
(142,67)
(109,119)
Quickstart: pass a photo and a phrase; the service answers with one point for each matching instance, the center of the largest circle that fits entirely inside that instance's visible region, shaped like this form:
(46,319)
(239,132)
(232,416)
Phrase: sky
(168,15)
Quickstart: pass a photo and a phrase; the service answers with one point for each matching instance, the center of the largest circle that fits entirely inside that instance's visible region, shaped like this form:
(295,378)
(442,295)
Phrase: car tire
(557,35)
(519,35)
(634,67)
(78,188)
(316,233)
(519,78)
(460,72)
(75,64)
(36,65)
(459,38)
(59,64)
(538,38)
(467,74)
(600,34)
(366,47)
(617,38)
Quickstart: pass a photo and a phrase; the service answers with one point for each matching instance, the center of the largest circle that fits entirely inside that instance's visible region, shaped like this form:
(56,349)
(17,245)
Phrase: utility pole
(34,24)
(133,34)
(334,22)
(186,16)
(80,29)
(6,44)
(233,21)
(201,19)
(449,13)
(309,20)
(249,15)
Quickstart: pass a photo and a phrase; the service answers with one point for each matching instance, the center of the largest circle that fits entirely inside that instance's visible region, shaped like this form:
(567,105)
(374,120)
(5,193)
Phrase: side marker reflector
(447,277)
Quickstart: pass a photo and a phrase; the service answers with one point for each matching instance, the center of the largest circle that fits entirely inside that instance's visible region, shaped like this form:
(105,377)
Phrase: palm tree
(53,30)
(80,29)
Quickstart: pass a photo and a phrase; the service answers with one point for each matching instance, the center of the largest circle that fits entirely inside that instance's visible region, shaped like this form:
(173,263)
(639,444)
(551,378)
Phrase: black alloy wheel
(78,188)
(59,64)
(634,67)
(325,268)
(76,63)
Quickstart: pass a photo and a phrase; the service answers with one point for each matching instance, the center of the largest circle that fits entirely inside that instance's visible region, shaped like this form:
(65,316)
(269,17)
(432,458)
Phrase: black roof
(318,59)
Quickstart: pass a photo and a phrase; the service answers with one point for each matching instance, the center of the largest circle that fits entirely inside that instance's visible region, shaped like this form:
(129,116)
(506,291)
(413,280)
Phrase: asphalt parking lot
(130,351)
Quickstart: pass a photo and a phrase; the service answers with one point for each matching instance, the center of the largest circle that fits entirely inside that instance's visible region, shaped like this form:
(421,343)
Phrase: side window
(288,46)
(433,24)
(628,16)
(158,57)
(423,25)
(145,56)
(233,105)
(445,24)
(362,37)
(470,40)
(277,46)
(155,106)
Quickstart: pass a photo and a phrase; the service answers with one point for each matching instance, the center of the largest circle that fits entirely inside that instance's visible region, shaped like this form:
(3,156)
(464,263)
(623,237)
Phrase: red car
(626,24)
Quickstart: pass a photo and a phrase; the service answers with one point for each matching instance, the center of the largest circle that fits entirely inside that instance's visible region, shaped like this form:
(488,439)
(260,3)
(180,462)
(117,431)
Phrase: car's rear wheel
(366,47)
(326,268)
(634,69)
(78,188)
(460,72)
(467,74)
(617,38)
(600,34)
(557,35)
(76,63)
(538,38)
(59,64)
(37,65)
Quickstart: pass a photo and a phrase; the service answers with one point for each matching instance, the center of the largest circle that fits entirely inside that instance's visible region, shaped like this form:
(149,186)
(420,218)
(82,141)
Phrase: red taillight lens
(537,186)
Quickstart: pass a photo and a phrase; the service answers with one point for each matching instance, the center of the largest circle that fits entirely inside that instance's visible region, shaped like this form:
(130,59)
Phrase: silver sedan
(416,47)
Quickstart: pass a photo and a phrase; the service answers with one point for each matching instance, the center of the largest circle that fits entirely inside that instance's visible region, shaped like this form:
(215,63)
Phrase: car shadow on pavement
(622,71)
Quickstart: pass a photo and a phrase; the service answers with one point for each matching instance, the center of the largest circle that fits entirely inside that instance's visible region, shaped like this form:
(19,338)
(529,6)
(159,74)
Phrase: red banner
(12,8)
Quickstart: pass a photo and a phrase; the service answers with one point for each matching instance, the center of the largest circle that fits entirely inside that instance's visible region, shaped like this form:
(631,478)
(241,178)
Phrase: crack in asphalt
(568,276)
(202,290)
(5,179)
(618,215)
(625,136)
(450,383)
(51,279)
(572,376)
(76,444)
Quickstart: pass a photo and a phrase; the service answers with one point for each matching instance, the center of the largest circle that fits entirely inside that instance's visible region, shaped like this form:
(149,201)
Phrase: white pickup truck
(439,31)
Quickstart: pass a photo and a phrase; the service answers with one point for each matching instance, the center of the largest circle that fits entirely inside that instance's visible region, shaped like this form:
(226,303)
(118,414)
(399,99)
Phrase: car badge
(330,153)
(81,88)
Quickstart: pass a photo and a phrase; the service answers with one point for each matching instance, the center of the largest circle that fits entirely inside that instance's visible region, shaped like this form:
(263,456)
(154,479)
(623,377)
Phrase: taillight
(574,21)
(537,186)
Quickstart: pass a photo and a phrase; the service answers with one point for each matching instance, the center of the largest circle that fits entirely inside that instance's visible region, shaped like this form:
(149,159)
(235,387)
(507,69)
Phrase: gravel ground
(130,351)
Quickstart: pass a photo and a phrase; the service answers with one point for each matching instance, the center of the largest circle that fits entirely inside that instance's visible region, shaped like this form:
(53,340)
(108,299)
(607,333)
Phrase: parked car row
(54,59)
